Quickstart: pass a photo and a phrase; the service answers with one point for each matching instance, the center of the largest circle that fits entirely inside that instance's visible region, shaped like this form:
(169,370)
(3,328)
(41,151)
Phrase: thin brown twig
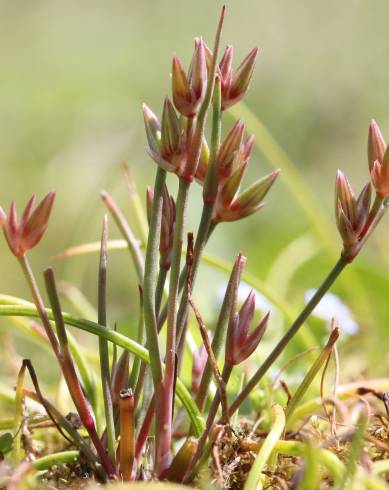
(204,334)
(286,389)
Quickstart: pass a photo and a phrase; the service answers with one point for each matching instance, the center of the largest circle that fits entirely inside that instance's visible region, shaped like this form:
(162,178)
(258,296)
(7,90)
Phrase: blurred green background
(72,80)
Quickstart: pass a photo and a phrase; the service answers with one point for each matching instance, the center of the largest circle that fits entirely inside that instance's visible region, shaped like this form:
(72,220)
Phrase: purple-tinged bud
(380,176)
(240,344)
(153,129)
(188,92)
(248,202)
(229,148)
(345,228)
(29,231)
(231,187)
(225,68)
(208,57)
(376,145)
(351,214)
(168,221)
(198,71)
(170,131)
(202,167)
(235,84)
(344,193)
(363,207)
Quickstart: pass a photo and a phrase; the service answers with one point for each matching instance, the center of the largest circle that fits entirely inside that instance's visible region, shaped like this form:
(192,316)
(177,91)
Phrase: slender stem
(145,428)
(160,288)
(278,349)
(18,415)
(23,261)
(136,366)
(127,433)
(82,405)
(65,424)
(213,361)
(163,450)
(124,227)
(46,462)
(220,330)
(151,260)
(309,377)
(209,196)
(149,280)
(103,343)
(227,370)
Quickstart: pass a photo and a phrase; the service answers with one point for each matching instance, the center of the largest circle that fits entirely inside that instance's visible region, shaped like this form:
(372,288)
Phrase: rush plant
(141,390)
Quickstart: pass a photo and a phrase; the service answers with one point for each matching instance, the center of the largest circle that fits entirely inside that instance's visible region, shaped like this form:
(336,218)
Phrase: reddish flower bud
(235,83)
(231,187)
(351,214)
(29,231)
(240,344)
(378,158)
(229,148)
(170,131)
(188,91)
(168,220)
(153,129)
(345,195)
(376,145)
(202,167)
(246,203)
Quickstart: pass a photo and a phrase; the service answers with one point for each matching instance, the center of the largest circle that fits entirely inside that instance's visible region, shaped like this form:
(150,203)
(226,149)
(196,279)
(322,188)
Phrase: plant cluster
(143,394)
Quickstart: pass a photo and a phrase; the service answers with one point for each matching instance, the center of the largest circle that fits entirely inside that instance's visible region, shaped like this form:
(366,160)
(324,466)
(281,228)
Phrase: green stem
(160,288)
(163,451)
(278,349)
(150,318)
(28,274)
(203,233)
(220,329)
(124,227)
(227,370)
(70,374)
(149,280)
(46,462)
(311,374)
(103,343)
(18,415)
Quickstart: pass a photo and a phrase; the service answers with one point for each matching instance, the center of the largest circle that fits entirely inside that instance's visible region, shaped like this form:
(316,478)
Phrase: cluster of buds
(234,83)
(355,217)
(351,213)
(378,157)
(168,221)
(23,235)
(240,344)
(169,140)
(231,163)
